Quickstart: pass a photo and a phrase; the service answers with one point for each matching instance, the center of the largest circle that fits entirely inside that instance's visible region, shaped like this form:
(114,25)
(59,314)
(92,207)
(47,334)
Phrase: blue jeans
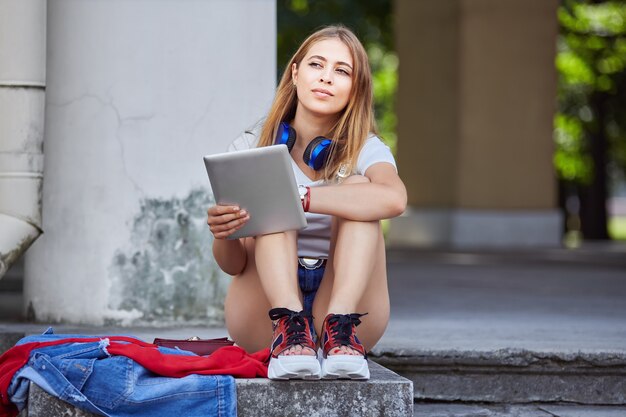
(86,376)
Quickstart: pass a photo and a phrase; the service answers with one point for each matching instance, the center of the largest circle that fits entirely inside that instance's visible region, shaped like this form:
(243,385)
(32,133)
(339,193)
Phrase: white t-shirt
(314,240)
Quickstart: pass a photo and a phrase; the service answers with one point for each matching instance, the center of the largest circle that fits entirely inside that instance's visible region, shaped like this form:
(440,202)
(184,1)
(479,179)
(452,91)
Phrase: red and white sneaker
(291,328)
(340,330)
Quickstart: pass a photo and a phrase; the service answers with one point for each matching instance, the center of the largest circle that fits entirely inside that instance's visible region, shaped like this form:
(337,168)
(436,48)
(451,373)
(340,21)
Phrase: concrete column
(22,97)
(476,99)
(138,92)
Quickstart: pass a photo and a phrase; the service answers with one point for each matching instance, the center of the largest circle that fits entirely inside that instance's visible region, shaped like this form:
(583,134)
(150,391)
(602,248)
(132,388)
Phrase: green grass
(617,227)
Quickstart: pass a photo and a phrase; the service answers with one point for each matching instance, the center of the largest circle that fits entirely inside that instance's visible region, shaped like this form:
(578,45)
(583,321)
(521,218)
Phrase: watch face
(302,191)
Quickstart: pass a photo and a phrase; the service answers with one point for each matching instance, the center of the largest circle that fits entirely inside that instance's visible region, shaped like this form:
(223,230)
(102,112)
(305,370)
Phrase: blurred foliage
(617,228)
(591,61)
(371,21)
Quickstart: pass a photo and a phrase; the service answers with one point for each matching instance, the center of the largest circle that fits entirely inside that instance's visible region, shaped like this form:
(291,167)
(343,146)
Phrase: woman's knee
(285,235)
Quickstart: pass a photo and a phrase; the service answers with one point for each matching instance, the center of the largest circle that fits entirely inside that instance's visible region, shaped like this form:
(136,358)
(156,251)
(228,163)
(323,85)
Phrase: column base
(465,228)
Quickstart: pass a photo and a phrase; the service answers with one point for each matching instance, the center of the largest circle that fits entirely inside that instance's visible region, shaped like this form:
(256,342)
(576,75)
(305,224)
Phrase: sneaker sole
(294,367)
(345,367)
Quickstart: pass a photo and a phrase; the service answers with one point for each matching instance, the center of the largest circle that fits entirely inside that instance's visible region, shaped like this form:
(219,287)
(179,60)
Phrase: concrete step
(513,375)
(515,410)
(560,371)
(385,394)
(42,404)
(478,328)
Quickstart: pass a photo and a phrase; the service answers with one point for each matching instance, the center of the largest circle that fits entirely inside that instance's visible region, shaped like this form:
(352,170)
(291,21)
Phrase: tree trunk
(593,196)
(564,191)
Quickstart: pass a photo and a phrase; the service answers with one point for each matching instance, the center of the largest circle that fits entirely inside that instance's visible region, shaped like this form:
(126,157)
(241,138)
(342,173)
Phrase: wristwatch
(305,196)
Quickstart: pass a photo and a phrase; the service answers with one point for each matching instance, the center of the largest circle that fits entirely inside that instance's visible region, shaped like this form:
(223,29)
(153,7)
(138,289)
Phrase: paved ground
(541,300)
(485,302)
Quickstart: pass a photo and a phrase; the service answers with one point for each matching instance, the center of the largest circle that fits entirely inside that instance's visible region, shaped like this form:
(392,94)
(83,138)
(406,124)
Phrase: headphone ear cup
(286,135)
(316,152)
(291,140)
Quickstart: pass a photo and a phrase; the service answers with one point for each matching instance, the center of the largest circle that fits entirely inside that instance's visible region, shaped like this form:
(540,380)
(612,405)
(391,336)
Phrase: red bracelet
(307,200)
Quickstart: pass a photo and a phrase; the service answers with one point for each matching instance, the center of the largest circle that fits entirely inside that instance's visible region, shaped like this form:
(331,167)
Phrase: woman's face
(324,77)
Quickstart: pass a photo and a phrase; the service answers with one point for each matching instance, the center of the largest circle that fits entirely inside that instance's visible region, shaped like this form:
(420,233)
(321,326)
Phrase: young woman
(323,279)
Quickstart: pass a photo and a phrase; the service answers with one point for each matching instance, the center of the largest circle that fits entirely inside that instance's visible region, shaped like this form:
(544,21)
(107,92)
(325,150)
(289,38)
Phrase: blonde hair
(355,121)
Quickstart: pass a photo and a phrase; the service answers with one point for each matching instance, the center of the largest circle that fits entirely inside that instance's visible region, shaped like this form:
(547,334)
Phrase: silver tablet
(261,181)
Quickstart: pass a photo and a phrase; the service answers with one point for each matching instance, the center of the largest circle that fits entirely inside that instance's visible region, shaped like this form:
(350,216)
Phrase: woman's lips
(320,92)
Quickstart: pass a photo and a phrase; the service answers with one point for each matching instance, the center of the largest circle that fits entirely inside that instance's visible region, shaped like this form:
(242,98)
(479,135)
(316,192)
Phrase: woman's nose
(327,78)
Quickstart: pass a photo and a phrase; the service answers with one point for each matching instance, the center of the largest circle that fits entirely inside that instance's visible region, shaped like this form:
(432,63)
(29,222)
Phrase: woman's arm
(230,255)
(382,198)
(223,221)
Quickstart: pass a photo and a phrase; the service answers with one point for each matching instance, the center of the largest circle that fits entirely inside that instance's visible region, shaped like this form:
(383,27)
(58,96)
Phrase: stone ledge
(512,375)
(42,404)
(385,394)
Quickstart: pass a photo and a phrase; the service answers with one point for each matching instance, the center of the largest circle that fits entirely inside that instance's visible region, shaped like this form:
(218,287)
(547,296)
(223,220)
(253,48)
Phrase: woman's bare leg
(277,268)
(246,307)
(268,281)
(358,265)
(356,278)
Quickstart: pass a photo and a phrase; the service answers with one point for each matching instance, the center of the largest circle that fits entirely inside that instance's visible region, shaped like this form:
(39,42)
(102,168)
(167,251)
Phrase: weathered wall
(138,92)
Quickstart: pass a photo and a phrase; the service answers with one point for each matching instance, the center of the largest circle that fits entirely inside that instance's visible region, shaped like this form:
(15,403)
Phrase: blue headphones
(316,152)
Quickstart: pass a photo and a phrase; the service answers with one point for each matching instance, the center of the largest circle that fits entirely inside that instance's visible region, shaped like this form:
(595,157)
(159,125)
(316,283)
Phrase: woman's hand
(226,220)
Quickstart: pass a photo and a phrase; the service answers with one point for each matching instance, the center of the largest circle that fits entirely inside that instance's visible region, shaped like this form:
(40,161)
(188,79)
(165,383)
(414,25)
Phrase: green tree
(590,126)
(371,21)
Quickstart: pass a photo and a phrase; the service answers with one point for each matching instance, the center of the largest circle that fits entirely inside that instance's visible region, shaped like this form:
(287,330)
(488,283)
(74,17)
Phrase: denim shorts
(309,278)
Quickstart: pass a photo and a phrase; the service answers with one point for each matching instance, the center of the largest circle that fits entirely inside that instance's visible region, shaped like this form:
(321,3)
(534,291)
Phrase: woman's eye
(315,64)
(343,71)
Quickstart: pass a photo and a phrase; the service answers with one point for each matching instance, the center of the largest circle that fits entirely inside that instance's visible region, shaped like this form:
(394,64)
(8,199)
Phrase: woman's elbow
(232,271)
(398,204)
(231,263)
(231,268)
(398,207)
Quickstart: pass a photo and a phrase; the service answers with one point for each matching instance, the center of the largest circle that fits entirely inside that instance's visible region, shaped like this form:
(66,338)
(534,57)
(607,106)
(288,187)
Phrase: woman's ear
(294,73)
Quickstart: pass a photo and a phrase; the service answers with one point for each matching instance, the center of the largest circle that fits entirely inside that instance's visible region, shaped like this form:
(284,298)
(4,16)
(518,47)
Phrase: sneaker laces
(341,327)
(295,323)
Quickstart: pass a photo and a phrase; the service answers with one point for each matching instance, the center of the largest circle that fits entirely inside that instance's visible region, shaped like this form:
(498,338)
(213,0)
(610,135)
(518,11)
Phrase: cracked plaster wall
(166,273)
(137,93)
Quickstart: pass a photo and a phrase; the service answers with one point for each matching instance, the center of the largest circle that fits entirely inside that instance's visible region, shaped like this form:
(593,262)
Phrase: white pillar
(22,97)
(477,86)
(138,92)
